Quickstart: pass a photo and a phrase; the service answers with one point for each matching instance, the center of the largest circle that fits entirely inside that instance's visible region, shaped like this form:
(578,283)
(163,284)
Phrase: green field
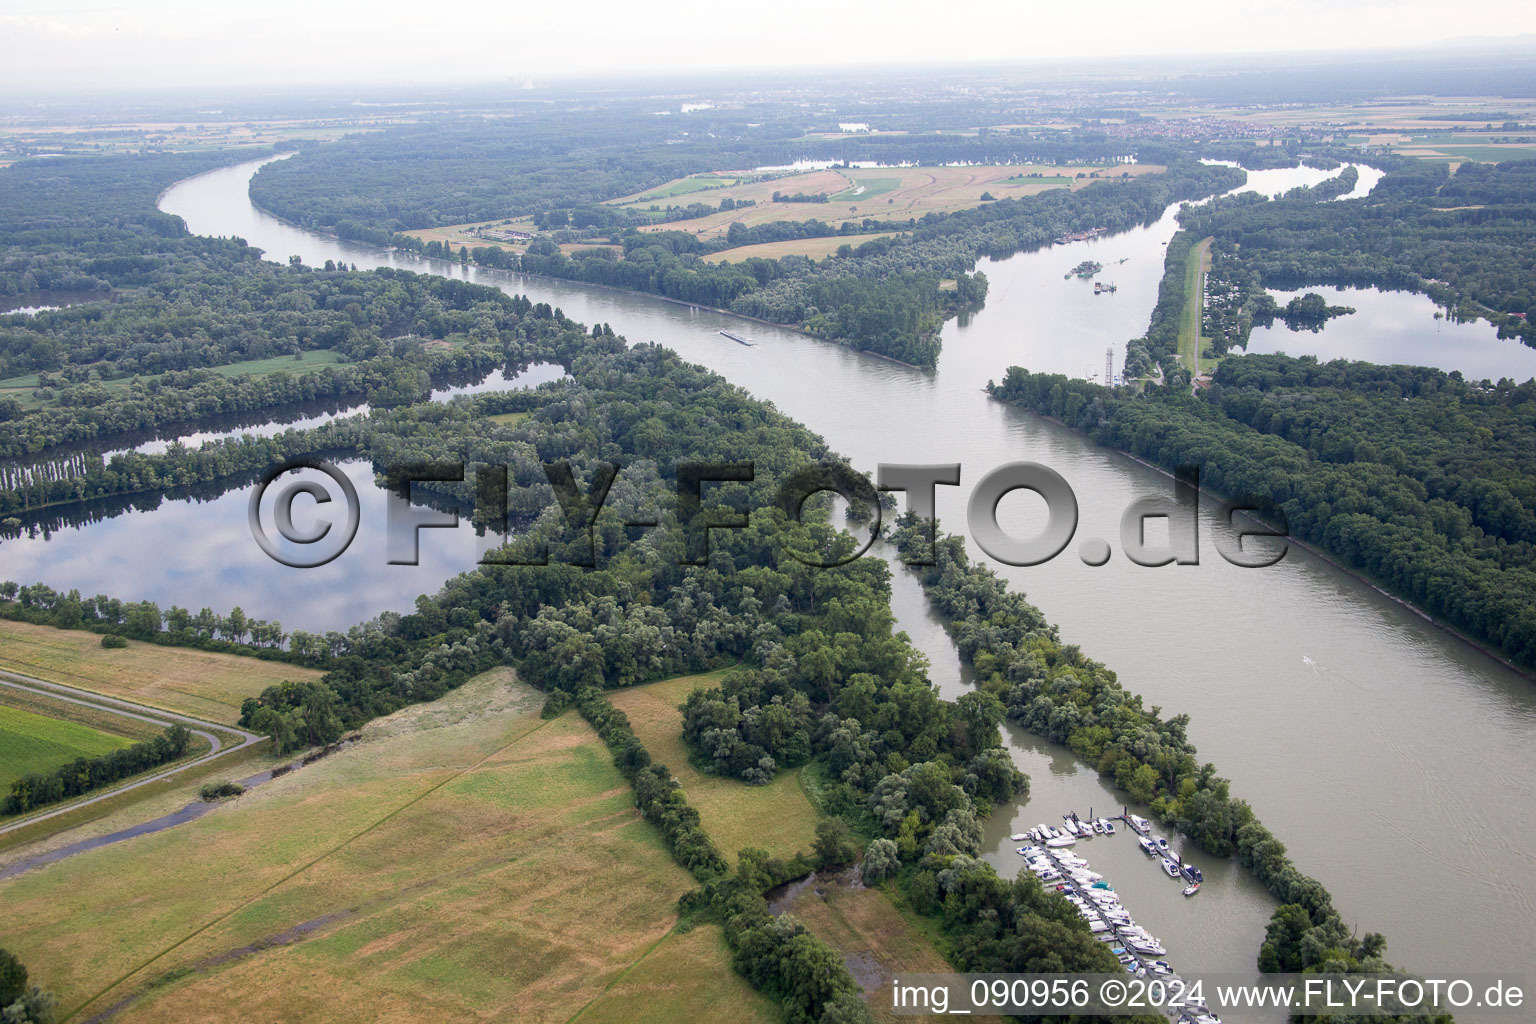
(777,817)
(21,388)
(1194,306)
(465,860)
(872,187)
(306,361)
(27,381)
(509,419)
(35,743)
(683,186)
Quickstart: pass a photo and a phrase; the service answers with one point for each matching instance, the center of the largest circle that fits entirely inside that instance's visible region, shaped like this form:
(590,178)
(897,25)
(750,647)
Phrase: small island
(1084,270)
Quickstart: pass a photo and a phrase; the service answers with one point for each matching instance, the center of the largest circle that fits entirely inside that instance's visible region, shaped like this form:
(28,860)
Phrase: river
(1364,736)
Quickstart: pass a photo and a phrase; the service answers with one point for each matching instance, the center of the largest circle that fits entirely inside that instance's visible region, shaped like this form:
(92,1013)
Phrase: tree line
(83,774)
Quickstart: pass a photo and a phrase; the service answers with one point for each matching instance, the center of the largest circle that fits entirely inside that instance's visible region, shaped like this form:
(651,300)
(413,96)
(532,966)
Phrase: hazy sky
(166,42)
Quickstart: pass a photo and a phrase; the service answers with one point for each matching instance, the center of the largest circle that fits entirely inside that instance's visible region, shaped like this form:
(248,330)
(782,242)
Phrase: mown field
(204,684)
(815,248)
(464,860)
(777,817)
(30,742)
(682,979)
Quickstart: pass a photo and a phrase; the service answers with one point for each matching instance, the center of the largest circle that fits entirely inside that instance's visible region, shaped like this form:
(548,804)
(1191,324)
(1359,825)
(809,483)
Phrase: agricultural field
(1488,154)
(777,817)
(685,186)
(815,248)
(886,192)
(464,859)
(204,684)
(31,742)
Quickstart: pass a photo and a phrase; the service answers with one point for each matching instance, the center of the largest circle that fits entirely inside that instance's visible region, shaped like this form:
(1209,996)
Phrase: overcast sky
(93,43)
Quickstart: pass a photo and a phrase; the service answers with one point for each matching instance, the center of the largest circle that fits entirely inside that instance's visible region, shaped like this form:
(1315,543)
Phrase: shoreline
(1324,556)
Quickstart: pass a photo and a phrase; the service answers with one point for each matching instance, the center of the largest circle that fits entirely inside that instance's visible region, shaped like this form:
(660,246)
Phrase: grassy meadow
(777,817)
(886,193)
(30,742)
(682,979)
(465,859)
(204,684)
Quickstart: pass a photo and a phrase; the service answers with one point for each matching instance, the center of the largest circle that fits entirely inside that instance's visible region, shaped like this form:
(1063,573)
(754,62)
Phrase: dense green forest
(1421,480)
(884,294)
(170,317)
(1467,240)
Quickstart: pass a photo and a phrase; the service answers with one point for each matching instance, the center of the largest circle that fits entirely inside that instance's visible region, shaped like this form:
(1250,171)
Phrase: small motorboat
(1141,825)
(1171,868)
(1191,888)
(1019,837)
(1148,847)
(1059,842)
(1162,844)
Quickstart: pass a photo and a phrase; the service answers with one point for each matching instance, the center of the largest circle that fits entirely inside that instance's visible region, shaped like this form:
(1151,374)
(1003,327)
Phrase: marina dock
(1050,858)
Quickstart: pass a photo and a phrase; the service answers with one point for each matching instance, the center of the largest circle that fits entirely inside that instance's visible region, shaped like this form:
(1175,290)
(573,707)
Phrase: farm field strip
(205,685)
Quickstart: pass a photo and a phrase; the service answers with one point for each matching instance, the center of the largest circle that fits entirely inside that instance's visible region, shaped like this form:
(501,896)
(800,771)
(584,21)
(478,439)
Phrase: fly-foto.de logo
(1252,531)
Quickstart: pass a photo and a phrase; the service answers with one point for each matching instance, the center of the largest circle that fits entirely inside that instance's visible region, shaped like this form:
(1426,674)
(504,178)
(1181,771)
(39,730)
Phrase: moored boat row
(1139,951)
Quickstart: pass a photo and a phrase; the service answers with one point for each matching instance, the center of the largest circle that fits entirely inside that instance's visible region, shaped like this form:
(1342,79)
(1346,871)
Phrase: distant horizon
(177,45)
(700,81)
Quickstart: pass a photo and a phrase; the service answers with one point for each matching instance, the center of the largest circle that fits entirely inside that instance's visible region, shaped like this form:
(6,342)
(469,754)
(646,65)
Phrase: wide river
(1390,757)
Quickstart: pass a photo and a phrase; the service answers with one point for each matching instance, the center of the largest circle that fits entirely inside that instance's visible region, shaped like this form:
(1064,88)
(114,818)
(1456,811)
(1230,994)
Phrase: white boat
(1149,946)
(1191,888)
(1059,842)
(1171,868)
(1141,825)
(1148,847)
(1162,844)
(1019,837)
